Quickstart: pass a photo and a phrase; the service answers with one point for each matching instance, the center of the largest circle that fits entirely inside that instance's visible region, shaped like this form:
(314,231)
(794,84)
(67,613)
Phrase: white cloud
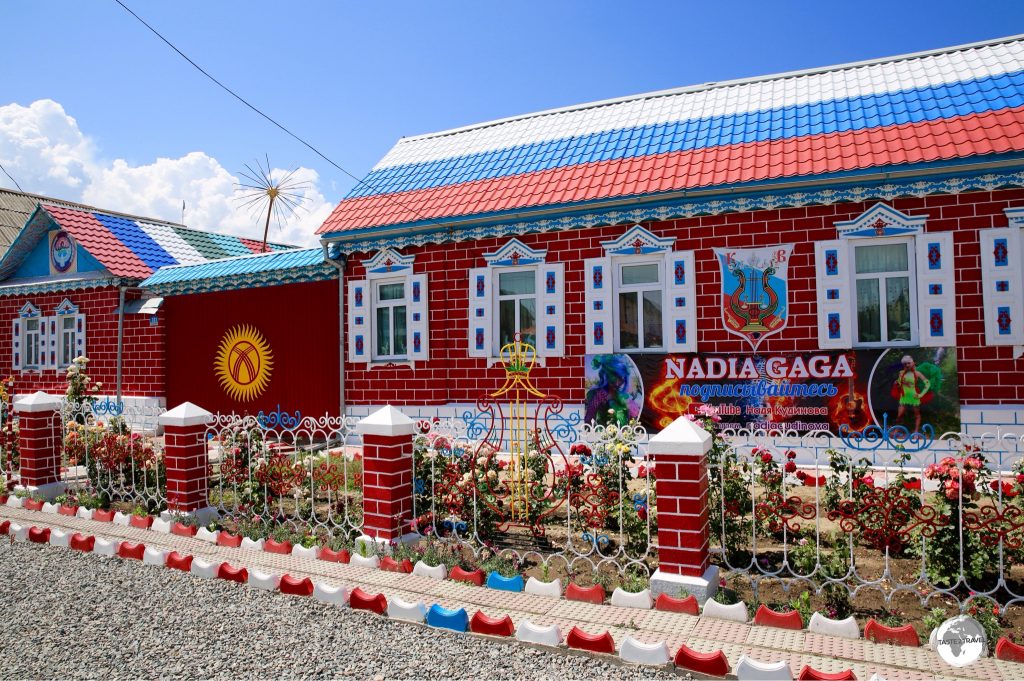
(46,151)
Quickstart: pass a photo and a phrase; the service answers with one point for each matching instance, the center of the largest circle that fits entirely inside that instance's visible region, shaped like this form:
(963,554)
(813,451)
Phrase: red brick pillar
(39,444)
(185,459)
(387,473)
(680,459)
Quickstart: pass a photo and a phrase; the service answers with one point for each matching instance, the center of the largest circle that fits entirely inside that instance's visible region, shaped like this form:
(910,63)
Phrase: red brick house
(69,288)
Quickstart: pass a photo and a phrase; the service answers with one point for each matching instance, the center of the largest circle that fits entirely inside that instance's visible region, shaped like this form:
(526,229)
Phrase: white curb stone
(847,628)
(106,547)
(161,525)
(262,580)
(18,533)
(51,508)
(252,545)
(533,633)
(157,557)
(299,551)
(334,595)
(748,669)
(84,513)
(122,518)
(628,599)
(421,569)
(203,534)
(60,538)
(404,610)
(538,588)
(876,677)
(365,561)
(204,568)
(13,501)
(632,650)
(737,612)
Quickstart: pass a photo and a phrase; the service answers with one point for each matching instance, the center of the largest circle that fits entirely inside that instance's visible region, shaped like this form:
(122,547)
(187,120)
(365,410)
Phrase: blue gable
(37,262)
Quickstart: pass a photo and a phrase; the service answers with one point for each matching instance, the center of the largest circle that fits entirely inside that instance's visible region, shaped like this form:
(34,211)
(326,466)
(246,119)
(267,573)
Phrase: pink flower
(868,481)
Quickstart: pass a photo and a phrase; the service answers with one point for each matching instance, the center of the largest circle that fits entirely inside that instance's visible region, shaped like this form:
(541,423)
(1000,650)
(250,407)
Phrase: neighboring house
(772,246)
(69,288)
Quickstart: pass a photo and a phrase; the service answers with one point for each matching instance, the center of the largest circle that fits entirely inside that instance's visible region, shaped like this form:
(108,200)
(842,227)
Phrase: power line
(267,117)
(11,178)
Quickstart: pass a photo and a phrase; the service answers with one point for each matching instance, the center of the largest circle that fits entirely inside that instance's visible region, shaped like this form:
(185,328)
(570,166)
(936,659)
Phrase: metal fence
(884,515)
(281,469)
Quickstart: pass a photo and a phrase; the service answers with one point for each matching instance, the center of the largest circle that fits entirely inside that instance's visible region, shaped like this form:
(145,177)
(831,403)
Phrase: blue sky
(353,78)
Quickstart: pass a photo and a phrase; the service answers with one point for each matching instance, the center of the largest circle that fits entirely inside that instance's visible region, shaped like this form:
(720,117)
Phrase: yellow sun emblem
(243,363)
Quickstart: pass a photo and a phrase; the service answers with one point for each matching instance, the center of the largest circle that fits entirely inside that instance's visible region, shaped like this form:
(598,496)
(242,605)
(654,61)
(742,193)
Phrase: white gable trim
(514,254)
(28,310)
(881,220)
(638,241)
(388,262)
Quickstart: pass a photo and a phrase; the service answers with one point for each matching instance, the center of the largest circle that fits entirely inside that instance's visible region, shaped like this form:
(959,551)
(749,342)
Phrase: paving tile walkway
(703,634)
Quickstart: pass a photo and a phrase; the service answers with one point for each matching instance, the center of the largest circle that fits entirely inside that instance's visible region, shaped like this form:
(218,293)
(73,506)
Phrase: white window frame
(496,305)
(64,360)
(911,272)
(376,304)
(618,262)
(40,351)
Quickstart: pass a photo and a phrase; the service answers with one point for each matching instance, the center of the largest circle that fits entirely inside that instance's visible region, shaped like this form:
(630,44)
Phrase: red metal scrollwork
(886,517)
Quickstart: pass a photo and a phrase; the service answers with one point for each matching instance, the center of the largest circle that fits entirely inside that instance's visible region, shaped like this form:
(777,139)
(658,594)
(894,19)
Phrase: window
(640,306)
(67,339)
(390,329)
(517,306)
(884,293)
(33,343)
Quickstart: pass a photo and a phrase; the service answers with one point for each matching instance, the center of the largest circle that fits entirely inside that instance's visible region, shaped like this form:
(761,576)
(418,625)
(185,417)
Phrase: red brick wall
(143,359)
(452,376)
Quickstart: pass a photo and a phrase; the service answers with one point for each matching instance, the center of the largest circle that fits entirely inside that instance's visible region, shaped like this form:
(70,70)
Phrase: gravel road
(72,615)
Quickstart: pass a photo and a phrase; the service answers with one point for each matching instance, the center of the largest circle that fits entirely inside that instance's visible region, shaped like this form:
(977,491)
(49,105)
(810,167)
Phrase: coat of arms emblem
(755,291)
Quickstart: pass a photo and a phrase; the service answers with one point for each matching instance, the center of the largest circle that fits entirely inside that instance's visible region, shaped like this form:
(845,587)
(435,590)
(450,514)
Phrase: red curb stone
(901,636)
(67,510)
(231,574)
(143,522)
(687,606)
(5,527)
(131,551)
(342,556)
(38,535)
(492,626)
(279,547)
(103,516)
(295,586)
(595,643)
(470,577)
(713,664)
(360,600)
(32,505)
(184,530)
(81,542)
(229,540)
(176,561)
(766,617)
(587,594)
(1009,651)
(389,564)
(809,673)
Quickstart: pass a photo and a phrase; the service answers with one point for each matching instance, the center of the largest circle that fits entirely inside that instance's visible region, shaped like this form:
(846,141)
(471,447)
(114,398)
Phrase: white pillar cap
(36,402)
(185,414)
(388,422)
(682,436)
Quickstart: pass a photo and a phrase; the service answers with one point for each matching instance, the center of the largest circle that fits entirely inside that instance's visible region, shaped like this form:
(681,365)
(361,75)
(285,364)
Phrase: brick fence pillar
(39,444)
(387,473)
(680,463)
(186,460)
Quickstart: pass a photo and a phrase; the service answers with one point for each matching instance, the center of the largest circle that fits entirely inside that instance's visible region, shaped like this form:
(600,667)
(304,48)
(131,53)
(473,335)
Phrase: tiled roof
(264,269)
(128,247)
(953,104)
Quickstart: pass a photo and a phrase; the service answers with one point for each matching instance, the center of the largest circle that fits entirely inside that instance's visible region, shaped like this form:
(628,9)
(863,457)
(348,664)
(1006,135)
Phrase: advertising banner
(801,392)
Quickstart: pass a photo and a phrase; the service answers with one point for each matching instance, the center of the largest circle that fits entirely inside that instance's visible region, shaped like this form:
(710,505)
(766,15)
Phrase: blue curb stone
(442,618)
(496,581)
